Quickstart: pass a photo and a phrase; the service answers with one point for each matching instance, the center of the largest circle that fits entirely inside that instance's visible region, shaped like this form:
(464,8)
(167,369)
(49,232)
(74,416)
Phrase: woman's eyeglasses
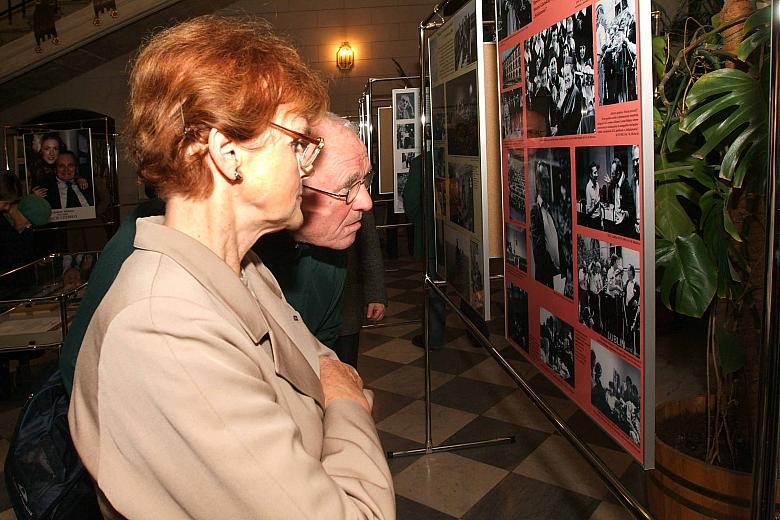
(306,148)
(351,193)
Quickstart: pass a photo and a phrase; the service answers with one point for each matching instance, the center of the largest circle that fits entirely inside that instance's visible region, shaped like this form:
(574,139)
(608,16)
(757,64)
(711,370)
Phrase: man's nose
(363,201)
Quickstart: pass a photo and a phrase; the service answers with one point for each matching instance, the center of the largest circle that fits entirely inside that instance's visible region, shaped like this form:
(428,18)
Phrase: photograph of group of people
(608,189)
(615,390)
(513,15)
(465,41)
(616,44)
(463,115)
(556,342)
(609,295)
(512,114)
(438,110)
(551,226)
(59,168)
(405,136)
(559,78)
(516,183)
(477,293)
(517,315)
(516,247)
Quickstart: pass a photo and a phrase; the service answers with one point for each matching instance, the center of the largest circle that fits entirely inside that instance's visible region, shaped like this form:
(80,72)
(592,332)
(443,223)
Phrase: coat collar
(221,281)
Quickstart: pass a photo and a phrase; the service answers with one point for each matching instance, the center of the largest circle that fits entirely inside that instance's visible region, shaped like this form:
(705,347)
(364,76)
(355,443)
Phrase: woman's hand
(82,182)
(39,191)
(341,381)
(376,311)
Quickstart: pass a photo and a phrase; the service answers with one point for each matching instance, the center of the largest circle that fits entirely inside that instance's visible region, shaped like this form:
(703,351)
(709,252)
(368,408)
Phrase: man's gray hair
(342,121)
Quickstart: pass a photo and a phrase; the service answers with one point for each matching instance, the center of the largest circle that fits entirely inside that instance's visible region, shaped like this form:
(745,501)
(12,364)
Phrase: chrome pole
(768,427)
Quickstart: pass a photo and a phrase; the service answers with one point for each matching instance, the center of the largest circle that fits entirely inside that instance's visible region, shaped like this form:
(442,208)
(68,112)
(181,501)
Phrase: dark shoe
(419,341)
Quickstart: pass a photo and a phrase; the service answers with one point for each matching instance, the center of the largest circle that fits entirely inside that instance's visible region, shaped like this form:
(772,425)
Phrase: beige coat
(198,396)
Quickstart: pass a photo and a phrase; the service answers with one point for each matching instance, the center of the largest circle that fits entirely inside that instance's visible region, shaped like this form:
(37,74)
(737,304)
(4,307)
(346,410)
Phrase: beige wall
(378,30)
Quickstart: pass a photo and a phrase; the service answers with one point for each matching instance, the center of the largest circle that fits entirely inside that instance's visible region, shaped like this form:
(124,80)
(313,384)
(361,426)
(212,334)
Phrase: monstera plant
(711,109)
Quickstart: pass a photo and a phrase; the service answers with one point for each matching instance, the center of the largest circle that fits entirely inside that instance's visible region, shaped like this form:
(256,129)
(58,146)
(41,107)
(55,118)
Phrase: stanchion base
(451,447)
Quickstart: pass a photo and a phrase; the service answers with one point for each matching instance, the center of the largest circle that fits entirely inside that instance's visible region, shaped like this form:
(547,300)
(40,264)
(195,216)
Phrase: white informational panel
(457,82)
(408,139)
(578,219)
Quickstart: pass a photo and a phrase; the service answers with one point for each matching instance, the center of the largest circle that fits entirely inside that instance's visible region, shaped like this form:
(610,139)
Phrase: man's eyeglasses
(353,191)
(306,148)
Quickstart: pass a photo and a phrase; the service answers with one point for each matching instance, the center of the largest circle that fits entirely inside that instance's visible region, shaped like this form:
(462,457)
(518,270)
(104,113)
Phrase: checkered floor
(539,476)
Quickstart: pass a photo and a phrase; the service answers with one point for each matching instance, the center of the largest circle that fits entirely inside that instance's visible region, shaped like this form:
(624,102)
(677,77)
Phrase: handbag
(44,475)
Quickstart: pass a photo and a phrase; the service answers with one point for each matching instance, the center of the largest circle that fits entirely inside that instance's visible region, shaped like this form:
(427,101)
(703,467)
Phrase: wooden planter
(685,488)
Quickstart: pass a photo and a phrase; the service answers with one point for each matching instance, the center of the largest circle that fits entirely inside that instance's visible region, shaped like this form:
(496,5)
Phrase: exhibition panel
(574,163)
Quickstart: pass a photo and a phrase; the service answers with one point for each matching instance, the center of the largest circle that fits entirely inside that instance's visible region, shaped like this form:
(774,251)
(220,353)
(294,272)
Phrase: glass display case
(38,300)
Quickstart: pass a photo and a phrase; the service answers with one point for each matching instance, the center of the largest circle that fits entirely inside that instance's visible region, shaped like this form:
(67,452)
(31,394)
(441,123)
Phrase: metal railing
(15,7)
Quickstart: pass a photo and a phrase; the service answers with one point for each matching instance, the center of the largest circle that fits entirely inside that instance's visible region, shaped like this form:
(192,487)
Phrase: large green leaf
(730,110)
(688,275)
(758,25)
(659,55)
(671,219)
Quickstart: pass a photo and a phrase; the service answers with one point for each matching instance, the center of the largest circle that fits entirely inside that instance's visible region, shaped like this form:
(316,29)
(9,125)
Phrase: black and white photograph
(549,179)
(516,183)
(59,169)
(477,294)
(461,192)
(556,345)
(400,182)
(608,189)
(440,197)
(559,78)
(510,66)
(406,159)
(405,136)
(465,42)
(516,247)
(517,315)
(609,297)
(614,390)
(457,246)
(438,163)
(404,105)
(512,114)
(616,51)
(438,110)
(463,115)
(513,15)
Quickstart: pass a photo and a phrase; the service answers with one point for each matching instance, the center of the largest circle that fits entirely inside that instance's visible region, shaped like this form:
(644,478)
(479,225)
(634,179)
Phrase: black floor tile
(505,456)
(410,510)
(469,395)
(387,403)
(391,443)
(369,340)
(403,283)
(521,498)
(452,361)
(544,386)
(371,368)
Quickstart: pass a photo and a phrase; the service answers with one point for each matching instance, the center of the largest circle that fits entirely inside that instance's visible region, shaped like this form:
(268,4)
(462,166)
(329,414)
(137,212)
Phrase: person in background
(17,243)
(63,190)
(199,392)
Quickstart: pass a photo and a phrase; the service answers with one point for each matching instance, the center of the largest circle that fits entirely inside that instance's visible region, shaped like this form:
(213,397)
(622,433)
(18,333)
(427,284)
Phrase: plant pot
(685,488)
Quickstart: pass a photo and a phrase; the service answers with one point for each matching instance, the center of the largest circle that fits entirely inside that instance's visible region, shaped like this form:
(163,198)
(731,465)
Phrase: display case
(38,300)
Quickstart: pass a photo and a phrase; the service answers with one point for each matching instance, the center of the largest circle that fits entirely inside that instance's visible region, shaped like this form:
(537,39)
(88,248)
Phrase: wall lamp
(345,57)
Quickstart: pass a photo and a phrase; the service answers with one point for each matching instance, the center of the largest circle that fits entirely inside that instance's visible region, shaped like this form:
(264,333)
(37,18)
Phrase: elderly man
(63,190)
(340,176)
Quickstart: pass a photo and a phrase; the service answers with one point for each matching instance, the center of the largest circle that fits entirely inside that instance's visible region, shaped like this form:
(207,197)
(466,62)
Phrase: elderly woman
(198,392)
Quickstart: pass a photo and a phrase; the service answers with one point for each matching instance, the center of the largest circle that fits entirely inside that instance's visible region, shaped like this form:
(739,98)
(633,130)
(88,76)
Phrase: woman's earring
(236,176)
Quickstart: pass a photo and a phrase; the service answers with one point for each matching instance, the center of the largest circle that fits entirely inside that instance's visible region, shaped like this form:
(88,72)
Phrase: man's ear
(224,153)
